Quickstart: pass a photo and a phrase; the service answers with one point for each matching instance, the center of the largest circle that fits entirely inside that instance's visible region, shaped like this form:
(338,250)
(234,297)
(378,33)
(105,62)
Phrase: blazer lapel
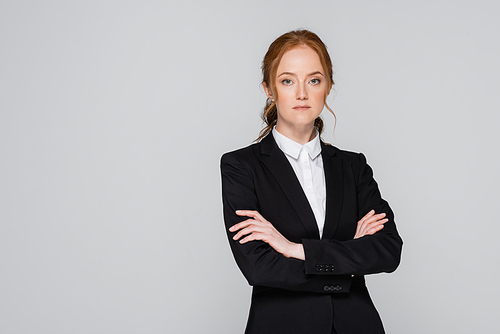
(334,190)
(277,163)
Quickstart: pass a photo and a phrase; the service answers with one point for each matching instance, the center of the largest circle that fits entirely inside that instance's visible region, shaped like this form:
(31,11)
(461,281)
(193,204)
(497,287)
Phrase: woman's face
(301,87)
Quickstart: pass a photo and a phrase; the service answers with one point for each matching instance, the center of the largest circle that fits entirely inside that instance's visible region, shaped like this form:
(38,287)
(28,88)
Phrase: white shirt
(307,164)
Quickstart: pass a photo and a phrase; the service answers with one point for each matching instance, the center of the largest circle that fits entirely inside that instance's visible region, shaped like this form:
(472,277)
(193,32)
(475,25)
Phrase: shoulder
(243,156)
(355,158)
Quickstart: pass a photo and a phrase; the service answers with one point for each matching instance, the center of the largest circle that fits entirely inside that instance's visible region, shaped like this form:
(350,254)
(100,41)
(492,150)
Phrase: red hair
(277,49)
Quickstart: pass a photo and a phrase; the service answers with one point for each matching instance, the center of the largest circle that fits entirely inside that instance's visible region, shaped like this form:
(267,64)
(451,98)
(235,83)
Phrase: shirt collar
(292,148)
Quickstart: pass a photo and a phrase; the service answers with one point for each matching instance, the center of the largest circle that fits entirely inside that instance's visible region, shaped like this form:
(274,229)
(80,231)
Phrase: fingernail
(238,211)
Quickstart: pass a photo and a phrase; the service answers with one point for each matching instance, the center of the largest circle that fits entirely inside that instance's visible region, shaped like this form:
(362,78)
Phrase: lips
(302,108)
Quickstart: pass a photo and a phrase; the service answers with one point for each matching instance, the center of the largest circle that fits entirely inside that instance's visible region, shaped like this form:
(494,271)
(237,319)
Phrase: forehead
(299,60)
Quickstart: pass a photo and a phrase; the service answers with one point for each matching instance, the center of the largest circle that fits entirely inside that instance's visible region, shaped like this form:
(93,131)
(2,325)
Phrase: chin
(304,123)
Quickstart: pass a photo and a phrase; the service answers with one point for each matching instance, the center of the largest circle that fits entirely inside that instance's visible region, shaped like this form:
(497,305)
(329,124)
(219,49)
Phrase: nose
(301,92)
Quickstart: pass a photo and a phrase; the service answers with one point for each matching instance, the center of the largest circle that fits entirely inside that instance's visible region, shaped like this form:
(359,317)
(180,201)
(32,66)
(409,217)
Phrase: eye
(287,82)
(315,81)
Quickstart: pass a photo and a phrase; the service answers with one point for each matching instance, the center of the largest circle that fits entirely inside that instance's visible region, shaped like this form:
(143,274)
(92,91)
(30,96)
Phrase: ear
(267,90)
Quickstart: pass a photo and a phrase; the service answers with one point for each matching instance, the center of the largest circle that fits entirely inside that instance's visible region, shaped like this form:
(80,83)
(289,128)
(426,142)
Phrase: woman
(305,220)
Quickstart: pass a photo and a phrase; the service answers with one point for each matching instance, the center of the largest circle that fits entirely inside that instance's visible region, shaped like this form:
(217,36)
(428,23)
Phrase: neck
(299,134)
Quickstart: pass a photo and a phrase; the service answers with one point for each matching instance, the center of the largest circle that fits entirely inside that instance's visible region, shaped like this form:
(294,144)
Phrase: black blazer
(318,295)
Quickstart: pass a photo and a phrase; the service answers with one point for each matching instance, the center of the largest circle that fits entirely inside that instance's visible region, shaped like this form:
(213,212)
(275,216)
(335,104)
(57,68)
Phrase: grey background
(113,117)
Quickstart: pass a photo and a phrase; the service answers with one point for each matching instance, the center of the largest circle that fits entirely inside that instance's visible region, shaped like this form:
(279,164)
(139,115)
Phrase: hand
(258,228)
(370,224)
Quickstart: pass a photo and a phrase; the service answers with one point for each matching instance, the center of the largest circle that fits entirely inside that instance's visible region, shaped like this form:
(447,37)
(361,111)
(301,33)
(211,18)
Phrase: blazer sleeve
(260,263)
(380,252)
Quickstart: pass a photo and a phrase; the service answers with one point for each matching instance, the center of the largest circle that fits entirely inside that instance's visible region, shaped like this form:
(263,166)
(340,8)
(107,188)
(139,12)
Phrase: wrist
(297,251)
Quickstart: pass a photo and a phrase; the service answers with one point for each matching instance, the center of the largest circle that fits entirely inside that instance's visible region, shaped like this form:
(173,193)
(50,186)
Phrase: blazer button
(319,267)
(332,288)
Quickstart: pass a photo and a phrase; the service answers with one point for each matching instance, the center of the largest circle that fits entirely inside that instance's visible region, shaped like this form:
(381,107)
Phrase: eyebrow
(290,73)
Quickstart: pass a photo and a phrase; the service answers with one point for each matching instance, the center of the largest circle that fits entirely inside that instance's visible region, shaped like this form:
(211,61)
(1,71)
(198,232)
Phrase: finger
(242,224)
(376,222)
(369,231)
(246,231)
(370,225)
(369,214)
(362,224)
(241,233)
(238,226)
(250,213)
(383,221)
(251,237)
(374,218)
(366,227)
(374,230)
(378,216)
